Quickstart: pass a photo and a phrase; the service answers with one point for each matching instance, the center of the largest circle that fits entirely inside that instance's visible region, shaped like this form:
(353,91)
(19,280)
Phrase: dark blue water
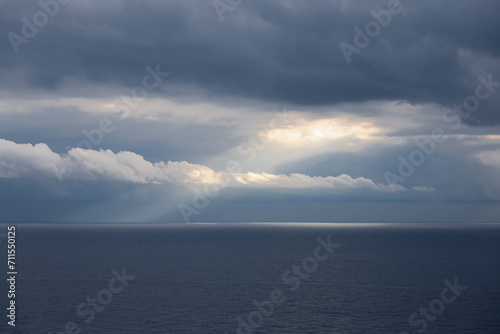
(201,278)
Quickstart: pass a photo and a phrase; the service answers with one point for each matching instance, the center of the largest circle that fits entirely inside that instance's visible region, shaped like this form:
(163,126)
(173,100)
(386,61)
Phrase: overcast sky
(239,110)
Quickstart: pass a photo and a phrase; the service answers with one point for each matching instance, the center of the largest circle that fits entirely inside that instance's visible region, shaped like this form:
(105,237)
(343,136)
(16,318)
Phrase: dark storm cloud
(279,51)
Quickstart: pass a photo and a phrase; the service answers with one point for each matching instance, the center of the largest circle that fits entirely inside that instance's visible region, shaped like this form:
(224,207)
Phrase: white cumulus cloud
(27,160)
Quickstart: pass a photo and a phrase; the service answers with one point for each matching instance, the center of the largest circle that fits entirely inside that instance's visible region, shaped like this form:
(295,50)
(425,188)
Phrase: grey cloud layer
(280,51)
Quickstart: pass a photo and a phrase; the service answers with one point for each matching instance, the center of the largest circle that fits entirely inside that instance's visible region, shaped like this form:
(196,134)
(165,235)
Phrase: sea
(335,278)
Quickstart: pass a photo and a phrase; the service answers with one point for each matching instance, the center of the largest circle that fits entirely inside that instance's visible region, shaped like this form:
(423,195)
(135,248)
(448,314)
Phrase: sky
(238,110)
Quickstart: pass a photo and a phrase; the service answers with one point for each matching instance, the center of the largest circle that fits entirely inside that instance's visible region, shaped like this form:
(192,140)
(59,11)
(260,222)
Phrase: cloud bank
(27,160)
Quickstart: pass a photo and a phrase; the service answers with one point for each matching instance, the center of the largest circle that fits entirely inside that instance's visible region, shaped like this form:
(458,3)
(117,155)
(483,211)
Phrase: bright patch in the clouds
(303,131)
